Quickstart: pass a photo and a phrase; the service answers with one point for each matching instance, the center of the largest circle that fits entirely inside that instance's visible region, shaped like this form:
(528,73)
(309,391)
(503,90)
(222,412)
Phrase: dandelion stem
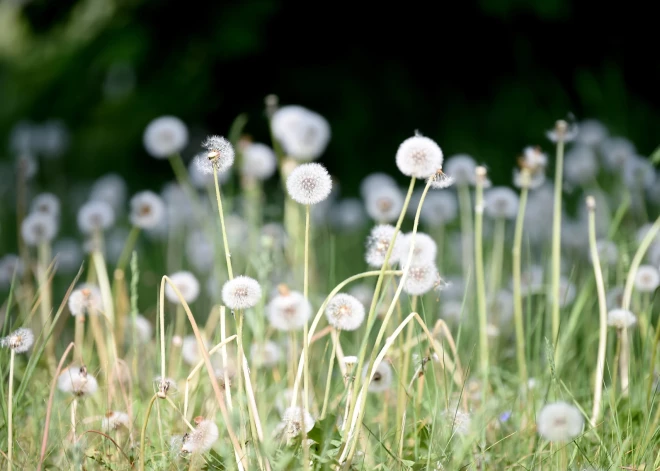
(128,248)
(466,227)
(46,299)
(10,407)
(143,433)
(497,255)
(305,398)
(479,273)
(74,407)
(602,312)
(517,279)
(222,224)
(328,381)
(560,128)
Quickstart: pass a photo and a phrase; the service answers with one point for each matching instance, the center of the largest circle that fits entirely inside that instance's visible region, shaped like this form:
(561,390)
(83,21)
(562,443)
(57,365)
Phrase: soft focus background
(485,78)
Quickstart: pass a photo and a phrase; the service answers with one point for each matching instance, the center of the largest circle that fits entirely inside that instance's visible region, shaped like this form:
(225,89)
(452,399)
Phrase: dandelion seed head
(165,136)
(381,380)
(616,151)
(115,420)
(424,251)
(384,204)
(165,386)
(348,215)
(38,228)
(378,243)
(647,279)
(345,312)
(147,210)
(201,439)
(242,292)
(608,252)
(19,341)
(294,420)
(419,157)
(77,381)
(86,299)
(580,165)
(143,329)
(219,155)
(200,251)
(462,169)
(621,318)
(567,132)
(350,361)
(639,172)
(265,354)
(422,278)
(259,161)
(309,184)
(95,216)
(440,208)
(302,133)
(501,202)
(559,422)
(289,310)
(112,189)
(47,204)
(190,351)
(375,181)
(187,285)
(440,180)
(457,421)
(591,132)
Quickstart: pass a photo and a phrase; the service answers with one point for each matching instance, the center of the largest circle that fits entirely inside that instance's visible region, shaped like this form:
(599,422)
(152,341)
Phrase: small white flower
(647,279)
(265,354)
(381,380)
(165,136)
(501,202)
(46,203)
(462,169)
(378,243)
(375,181)
(621,318)
(95,216)
(219,155)
(114,420)
(112,189)
(309,184)
(421,279)
(147,210)
(77,381)
(425,249)
(559,422)
(303,134)
(345,312)
(19,341)
(201,439)
(38,228)
(86,299)
(294,420)
(242,292)
(384,204)
(187,285)
(419,157)
(288,311)
(259,161)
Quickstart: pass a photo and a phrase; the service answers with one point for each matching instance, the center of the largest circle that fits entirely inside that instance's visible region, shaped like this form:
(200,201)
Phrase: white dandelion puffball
(115,420)
(143,329)
(345,312)
(534,159)
(419,157)
(294,420)
(421,278)
(165,136)
(309,184)
(201,177)
(559,422)
(46,203)
(384,204)
(638,172)
(381,379)
(462,168)
(375,181)
(95,216)
(440,208)
(591,132)
(259,161)
(200,251)
(288,310)
(501,202)
(19,341)
(647,279)
(112,189)
(303,134)
(424,251)
(580,165)
(266,354)
(190,351)
(621,318)
(10,265)
(240,293)
(201,439)
(69,255)
(187,285)
(350,361)
(218,156)
(147,210)
(38,228)
(457,421)
(86,299)
(616,151)
(75,380)
(567,132)
(378,243)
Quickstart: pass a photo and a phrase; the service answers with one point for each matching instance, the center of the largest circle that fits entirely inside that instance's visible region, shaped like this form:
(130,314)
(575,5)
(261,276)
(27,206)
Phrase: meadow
(249,316)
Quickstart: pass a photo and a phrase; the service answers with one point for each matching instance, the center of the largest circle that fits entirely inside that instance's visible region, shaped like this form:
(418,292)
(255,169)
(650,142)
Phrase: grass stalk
(521,357)
(560,130)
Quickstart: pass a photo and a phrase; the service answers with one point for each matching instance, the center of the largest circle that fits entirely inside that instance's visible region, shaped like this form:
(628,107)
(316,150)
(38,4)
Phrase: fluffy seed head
(242,292)
(563,131)
(309,184)
(384,204)
(457,421)
(462,169)
(501,202)
(580,165)
(378,243)
(591,132)
(440,207)
(647,279)
(75,380)
(424,251)
(86,299)
(190,351)
(616,151)
(147,210)
(419,157)
(422,278)
(201,439)
(638,172)
(10,264)
(112,189)
(143,329)
(294,420)
(259,161)
(559,422)
(46,203)
(440,180)
(219,155)
(165,386)
(289,310)
(187,285)
(303,134)
(621,318)
(38,228)
(165,136)
(266,354)
(381,380)
(375,181)
(115,420)
(95,216)
(345,312)
(19,341)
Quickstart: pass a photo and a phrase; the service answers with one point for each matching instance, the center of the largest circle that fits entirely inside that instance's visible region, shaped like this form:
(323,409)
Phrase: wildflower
(309,184)
(86,299)
(381,380)
(187,285)
(374,181)
(621,318)
(266,354)
(501,202)
(563,131)
(46,203)
(77,381)
(616,151)
(462,169)
(147,210)
(10,265)
(378,243)
(345,312)
(422,278)
(38,228)
(294,420)
(114,420)
(647,279)
(19,341)
(219,155)
(95,216)
(165,136)
(202,438)
(242,292)
(439,208)
(424,251)
(191,351)
(259,161)
(591,132)
(559,422)
(384,204)
(419,157)
(289,310)
(303,134)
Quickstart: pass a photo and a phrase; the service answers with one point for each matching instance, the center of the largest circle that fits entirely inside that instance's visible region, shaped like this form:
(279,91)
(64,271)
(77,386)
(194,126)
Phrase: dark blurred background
(485,78)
